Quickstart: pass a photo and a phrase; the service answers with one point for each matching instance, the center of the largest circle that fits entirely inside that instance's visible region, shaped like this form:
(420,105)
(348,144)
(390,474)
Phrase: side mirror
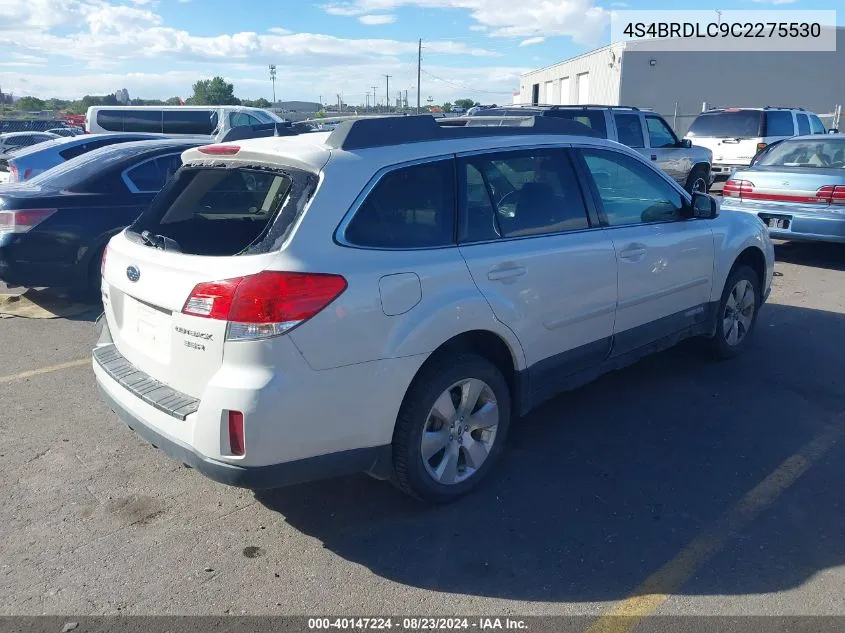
(703,206)
(686,143)
(833,130)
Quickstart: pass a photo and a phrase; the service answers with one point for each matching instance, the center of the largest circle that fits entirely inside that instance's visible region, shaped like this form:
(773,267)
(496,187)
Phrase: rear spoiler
(262,130)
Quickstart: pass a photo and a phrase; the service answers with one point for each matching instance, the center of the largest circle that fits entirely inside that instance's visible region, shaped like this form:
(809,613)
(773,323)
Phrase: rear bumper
(253,477)
(723,171)
(803,226)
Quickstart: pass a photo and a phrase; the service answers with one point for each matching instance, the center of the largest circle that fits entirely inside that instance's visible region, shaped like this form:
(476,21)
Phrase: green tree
(29,104)
(447,107)
(174,101)
(466,104)
(213,91)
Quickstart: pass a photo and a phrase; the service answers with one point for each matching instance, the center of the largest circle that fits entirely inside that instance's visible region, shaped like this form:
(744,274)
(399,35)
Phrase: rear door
(665,262)
(546,270)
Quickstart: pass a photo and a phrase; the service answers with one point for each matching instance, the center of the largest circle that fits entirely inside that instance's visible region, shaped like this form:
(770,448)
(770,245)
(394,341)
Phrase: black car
(54,227)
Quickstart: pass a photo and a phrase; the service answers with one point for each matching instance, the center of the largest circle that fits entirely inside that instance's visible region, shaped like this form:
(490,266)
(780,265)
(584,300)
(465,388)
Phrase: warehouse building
(677,83)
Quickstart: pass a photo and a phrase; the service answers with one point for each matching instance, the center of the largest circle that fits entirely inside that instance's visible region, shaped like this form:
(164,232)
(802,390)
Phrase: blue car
(54,228)
(797,188)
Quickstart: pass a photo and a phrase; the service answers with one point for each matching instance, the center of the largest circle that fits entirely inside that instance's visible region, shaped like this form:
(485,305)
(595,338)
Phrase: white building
(677,83)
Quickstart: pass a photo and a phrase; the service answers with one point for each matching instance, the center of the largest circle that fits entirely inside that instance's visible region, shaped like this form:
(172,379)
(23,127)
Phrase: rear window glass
(733,124)
(71,173)
(83,148)
(410,207)
(823,152)
(593,119)
(222,211)
(779,123)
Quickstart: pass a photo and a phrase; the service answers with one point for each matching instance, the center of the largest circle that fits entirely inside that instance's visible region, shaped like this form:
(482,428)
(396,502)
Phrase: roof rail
(258,131)
(593,105)
(387,131)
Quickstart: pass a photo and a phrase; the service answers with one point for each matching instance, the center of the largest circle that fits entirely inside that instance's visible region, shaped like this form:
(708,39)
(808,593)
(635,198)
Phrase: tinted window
(631,192)
(522,193)
(629,129)
(190,121)
(142,121)
(82,148)
(803,124)
(779,123)
(659,133)
(727,124)
(73,173)
(593,119)
(151,175)
(816,125)
(110,120)
(409,207)
(218,211)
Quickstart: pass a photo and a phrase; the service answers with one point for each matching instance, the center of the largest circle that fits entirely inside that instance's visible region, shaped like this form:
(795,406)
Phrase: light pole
(273,79)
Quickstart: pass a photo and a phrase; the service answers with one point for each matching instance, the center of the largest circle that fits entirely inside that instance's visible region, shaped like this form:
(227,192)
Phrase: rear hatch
(732,135)
(210,223)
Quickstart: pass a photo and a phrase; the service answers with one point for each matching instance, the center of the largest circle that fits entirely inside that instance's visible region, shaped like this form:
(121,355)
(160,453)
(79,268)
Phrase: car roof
(26,133)
(63,142)
(311,151)
(815,137)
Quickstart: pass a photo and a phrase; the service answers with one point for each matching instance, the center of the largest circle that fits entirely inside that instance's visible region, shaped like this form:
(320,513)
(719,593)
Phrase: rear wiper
(160,242)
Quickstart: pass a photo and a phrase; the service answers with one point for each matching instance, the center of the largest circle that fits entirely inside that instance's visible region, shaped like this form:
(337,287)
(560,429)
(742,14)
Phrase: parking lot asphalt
(713,488)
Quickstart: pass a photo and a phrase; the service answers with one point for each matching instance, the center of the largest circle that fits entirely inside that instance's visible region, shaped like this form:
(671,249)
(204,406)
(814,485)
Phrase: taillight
(736,188)
(13,172)
(762,146)
(21,221)
(27,173)
(832,194)
(220,150)
(267,304)
(237,445)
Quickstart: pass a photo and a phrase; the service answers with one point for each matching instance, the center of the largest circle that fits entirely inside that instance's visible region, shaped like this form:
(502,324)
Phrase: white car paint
(312,391)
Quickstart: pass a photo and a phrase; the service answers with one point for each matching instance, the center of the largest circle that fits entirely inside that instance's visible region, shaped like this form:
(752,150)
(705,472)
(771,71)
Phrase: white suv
(389,296)
(735,135)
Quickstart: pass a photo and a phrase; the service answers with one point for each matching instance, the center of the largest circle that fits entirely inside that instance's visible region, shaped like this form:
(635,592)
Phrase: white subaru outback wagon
(389,296)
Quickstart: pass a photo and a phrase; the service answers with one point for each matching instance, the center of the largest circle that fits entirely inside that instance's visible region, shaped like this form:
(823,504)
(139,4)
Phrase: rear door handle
(507,271)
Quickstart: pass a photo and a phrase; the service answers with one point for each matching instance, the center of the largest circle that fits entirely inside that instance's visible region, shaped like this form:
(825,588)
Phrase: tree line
(215,91)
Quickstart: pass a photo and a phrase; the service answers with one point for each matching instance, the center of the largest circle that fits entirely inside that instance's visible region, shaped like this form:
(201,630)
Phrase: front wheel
(697,181)
(737,314)
(451,428)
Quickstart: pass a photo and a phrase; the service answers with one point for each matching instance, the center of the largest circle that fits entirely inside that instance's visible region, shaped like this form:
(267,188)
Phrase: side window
(410,207)
(521,193)
(816,125)
(631,192)
(151,175)
(82,148)
(779,123)
(142,121)
(659,133)
(241,118)
(110,120)
(803,124)
(629,129)
(179,121)
(593,119)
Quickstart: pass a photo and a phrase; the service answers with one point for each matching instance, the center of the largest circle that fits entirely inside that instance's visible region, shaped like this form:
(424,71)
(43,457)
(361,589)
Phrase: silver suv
(389,296)
(644,131)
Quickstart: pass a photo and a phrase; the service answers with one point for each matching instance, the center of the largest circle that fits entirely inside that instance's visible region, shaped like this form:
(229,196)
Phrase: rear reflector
(266,304)
(236,433)
(23,220)
(220,150)
(761,146)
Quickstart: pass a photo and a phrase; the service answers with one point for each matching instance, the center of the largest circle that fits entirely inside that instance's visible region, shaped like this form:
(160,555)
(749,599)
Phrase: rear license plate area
(147,327)
(780,222)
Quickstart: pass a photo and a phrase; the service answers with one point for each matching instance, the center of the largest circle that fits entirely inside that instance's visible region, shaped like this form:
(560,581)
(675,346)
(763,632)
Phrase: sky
(158,48)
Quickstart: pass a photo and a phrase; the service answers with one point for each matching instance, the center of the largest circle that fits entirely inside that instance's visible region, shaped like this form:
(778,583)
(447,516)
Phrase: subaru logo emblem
(133,274)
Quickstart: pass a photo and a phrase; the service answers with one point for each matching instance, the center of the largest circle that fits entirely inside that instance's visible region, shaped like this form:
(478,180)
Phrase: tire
(435,396)
(88,289)
(697,180)
(729,321)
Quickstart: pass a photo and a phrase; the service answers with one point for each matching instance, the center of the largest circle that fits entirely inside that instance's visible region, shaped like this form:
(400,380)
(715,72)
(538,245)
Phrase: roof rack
(592,105)
(387,131)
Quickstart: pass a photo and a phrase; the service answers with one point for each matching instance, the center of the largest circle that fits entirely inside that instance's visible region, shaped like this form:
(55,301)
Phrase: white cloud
(532,40)
(578,19)
(380,18)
